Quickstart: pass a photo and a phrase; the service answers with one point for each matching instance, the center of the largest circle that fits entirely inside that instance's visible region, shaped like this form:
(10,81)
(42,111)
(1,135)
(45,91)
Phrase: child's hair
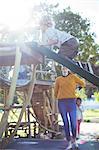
(46,20)
(78,98)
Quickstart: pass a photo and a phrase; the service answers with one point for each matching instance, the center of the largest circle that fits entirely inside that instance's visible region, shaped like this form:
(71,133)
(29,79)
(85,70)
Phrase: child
(79,115)
(67,44)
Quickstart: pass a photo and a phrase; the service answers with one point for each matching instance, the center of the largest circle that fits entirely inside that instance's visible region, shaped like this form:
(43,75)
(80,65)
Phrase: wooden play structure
(37,95)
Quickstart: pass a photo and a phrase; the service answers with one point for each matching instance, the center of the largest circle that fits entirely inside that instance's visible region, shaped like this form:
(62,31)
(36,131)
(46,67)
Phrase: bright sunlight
(15,14)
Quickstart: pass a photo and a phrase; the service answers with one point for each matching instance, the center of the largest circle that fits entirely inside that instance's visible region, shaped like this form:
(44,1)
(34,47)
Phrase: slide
(66,62)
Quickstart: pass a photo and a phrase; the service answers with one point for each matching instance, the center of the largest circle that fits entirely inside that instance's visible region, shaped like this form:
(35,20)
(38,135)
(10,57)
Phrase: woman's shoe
(75,145)
(69,147)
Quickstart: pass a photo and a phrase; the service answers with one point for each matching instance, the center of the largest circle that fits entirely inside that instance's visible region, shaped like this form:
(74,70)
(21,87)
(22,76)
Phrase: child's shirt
(79,112)
(54,34)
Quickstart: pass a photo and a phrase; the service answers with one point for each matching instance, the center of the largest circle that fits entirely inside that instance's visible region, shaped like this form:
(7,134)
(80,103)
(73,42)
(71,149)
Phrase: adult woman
(65,89)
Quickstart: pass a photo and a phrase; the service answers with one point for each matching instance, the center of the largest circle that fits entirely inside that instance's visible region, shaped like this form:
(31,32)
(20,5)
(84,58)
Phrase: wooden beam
(29,125)
(7,51)
(10,97)
(44,111)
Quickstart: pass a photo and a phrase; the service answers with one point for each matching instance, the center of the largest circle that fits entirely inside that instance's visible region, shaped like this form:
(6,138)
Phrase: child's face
(78,102)
(43,27)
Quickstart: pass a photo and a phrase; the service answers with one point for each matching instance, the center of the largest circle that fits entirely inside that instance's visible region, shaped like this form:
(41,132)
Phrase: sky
(16,12)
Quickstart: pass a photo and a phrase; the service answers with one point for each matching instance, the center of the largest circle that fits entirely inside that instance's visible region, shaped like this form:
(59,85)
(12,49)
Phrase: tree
(81,93)
(96,95)
(80,28)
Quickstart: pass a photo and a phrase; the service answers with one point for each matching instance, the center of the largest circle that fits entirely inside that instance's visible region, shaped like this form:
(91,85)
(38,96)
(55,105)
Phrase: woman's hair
(47,21)
(66,68)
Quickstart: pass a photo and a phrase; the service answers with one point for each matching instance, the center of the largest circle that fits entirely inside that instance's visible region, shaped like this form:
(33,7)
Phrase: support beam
(10,97)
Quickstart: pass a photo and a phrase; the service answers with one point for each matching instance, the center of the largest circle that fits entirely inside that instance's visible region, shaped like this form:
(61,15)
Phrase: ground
(30,144)
(87,141)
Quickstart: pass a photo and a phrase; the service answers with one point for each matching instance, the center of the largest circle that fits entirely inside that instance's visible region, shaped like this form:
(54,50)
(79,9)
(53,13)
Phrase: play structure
(37,95)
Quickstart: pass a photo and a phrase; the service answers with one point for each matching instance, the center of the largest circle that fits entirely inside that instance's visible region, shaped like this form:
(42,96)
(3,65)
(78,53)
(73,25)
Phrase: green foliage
(96,95)
(70,22)
(80,28)
(91,115)
(81,93)
(58,69)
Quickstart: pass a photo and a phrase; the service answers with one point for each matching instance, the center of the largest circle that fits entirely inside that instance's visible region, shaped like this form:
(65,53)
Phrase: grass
(87,115)
(90,115)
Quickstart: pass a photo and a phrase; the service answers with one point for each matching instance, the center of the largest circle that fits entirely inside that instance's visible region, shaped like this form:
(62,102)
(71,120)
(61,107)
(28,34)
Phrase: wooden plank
(48,117)
(7,55)
(7,51)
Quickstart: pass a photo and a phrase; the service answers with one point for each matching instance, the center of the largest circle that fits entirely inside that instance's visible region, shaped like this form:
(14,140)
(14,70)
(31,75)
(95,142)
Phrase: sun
(15,14)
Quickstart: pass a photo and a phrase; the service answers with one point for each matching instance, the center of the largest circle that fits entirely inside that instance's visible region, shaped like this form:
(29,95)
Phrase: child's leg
(69,48)
(78,126)
(77,129)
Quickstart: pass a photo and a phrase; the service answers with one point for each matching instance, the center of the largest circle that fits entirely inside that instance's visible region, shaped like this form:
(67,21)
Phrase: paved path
(87,141)
(33,144)
(89,131)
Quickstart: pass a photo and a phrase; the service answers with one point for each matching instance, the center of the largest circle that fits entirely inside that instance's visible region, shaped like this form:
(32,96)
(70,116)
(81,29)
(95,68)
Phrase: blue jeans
(68,107)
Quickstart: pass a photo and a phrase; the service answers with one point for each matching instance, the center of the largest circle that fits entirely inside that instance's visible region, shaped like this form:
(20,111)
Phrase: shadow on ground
(34,144)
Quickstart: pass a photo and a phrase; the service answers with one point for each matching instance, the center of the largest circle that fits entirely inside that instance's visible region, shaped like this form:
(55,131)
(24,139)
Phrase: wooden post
(4,96)
(54,118)
(10,97)
(25,98)
(53,99)
(55,108)
(34,129)
(57,112)
(44,111)
(28,114)
(25,104)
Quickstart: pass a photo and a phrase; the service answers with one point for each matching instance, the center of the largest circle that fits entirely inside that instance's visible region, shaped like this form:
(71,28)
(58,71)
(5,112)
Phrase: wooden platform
(24,83)
(7,55)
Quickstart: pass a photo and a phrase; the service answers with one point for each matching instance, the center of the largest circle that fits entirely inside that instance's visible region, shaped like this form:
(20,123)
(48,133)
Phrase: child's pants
(68,106)
(69,48)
